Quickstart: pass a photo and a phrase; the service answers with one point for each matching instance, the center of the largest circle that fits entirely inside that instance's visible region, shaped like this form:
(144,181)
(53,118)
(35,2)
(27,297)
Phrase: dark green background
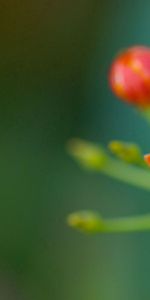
(54,60)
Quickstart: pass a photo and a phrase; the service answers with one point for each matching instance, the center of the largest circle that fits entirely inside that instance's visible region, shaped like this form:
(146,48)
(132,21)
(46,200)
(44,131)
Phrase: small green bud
(86,221)
(128,152)
(87,154)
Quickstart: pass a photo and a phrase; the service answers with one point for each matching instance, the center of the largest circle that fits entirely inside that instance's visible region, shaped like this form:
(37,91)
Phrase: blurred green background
(54,60)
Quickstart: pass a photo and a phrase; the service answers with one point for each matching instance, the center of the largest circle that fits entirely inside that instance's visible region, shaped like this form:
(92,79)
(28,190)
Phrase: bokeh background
(54,60)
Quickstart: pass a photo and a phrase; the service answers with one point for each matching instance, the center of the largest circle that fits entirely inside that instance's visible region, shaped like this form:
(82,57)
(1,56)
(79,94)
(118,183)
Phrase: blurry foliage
(53,62)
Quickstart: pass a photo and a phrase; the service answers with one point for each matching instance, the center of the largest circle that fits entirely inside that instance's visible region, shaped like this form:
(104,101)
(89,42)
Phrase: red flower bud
(130,76)
(147,159)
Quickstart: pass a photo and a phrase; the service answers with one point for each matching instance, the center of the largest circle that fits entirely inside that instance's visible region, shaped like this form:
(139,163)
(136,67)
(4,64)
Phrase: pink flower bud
(129,76)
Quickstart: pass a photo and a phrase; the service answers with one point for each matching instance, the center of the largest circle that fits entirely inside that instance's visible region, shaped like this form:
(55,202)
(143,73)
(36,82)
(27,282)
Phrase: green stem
(92,223)
(96,159)
(146,114)
(128,224)
(132,175)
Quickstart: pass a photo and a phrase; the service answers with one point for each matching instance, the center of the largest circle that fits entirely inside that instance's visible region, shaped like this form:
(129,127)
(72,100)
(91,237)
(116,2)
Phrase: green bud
(87,154)
(86,221)
(127,152)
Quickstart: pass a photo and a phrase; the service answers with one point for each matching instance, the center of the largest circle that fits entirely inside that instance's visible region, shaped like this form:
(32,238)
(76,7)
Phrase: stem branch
(132,175)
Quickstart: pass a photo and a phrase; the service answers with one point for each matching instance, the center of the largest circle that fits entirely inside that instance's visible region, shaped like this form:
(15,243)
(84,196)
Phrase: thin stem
(128,224)
(146,114)
(132,175)
(96,159)
(92,223)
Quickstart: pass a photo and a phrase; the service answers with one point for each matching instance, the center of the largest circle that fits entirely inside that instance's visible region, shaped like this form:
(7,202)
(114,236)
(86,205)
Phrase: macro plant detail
(129,80)
(129,76)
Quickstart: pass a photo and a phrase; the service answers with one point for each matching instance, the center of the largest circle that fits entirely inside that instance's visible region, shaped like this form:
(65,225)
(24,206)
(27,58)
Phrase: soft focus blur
(54,61)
